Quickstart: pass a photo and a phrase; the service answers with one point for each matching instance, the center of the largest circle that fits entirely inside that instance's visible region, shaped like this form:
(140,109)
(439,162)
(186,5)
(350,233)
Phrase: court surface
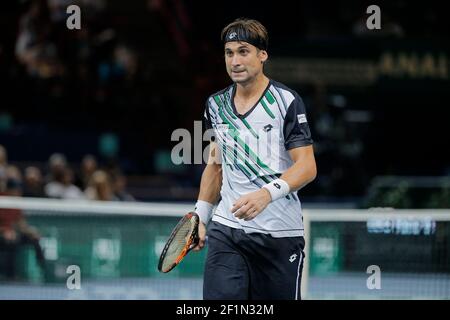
(342,286)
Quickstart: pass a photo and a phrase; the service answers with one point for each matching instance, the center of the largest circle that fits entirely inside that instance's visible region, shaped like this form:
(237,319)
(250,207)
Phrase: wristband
(204,210)
(278,189)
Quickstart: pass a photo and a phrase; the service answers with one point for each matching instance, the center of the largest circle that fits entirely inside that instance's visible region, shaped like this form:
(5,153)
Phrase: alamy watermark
(74,280)
(374,280)
(237,147)
(374,20)
(74,20)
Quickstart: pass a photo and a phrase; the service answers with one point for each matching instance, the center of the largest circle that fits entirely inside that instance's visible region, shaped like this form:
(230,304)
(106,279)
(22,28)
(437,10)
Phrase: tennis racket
(184,238)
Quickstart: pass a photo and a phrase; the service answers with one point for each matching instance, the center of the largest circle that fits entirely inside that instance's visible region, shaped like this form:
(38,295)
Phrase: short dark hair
(249,30)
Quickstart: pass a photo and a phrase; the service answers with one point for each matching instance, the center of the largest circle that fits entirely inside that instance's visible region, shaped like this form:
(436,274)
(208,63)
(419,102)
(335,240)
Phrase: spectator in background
(88,167)
(14,229)
(3,180)
(34,47)
(57,163)
(33,183)
(3,156)
(3,165)
(125,61)
(100,187)
(119,182)
(63,187)
(13,181)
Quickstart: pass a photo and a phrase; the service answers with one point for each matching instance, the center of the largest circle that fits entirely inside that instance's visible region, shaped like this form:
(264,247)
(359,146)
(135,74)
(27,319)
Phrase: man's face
(243,61)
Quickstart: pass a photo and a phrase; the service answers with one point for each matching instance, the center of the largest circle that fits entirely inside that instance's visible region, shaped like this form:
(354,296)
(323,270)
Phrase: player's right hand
(202,237)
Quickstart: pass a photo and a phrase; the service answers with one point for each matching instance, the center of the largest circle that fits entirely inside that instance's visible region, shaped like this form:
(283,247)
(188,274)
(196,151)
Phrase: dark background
(136,72)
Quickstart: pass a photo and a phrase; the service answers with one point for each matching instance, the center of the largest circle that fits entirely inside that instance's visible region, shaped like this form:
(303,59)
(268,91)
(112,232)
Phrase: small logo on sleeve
(301,118)
(222,127)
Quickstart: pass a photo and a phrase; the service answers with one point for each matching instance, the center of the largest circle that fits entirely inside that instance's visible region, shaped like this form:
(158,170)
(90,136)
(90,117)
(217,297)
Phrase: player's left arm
(304,169)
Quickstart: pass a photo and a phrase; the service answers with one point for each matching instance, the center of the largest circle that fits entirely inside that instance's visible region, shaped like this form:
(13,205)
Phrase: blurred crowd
(96,80)
(142,70)
(40,46)
(60,181)
(84,76)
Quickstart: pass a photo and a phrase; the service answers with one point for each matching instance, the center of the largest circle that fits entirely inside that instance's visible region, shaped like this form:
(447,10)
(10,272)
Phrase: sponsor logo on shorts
(293,257)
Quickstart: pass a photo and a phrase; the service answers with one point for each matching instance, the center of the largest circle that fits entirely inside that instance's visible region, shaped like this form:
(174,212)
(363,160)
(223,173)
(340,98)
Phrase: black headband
(245,36)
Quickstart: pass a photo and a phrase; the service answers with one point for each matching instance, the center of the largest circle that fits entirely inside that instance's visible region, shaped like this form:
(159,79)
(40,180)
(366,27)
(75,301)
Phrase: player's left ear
(263,55)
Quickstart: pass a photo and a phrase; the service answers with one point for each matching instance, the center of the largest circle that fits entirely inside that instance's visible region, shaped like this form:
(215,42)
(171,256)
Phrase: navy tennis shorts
(253,266)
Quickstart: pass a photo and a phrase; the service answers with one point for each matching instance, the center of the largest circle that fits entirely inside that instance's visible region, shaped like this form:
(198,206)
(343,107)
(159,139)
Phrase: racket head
(182,239)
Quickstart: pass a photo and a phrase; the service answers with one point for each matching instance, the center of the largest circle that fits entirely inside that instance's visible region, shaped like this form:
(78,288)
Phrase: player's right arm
(209,194)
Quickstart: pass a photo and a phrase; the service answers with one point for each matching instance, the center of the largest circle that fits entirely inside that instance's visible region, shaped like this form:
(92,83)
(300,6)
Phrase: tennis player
(260,155)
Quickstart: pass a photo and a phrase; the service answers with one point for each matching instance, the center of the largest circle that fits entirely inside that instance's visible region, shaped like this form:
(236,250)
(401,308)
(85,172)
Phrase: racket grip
(194,243)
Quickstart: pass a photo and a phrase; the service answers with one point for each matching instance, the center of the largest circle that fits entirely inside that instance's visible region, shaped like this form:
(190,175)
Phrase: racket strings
(179,242)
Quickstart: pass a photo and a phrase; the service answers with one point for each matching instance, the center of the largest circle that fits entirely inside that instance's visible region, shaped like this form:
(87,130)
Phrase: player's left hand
(250,205)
